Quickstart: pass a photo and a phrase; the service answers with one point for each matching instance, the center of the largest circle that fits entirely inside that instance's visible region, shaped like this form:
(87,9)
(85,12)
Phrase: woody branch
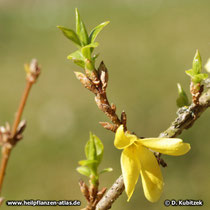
(186,117)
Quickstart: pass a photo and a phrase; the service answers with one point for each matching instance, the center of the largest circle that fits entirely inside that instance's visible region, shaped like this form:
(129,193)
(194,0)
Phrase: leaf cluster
(85,43)
(94,151)
(196,77)
(195,72)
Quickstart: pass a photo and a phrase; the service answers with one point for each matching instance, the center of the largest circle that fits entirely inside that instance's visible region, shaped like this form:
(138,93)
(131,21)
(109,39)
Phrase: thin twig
(7,148)
(5,156)
(21,107)
(99,89)
(14,136)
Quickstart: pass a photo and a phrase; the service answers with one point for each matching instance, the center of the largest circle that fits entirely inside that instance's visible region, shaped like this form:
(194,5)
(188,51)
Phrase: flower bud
(103,74)
(182,99)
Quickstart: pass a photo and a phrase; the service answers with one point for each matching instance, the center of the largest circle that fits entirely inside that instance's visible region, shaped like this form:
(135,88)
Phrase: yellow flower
(137,158)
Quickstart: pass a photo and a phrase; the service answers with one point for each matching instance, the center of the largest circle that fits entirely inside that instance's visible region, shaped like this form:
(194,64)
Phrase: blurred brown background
(146,47)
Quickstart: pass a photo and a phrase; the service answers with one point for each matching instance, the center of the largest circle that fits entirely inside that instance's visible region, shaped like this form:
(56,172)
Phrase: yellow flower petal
(122,140)
(168,146)
(151,176)
(130,169)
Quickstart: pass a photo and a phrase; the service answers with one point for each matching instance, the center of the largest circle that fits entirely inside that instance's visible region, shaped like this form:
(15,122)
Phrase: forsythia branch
(113,193)
(96,81)
(99,89)
(186,118)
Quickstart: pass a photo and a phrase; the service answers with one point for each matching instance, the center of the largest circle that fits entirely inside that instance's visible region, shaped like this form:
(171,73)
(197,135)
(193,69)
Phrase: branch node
(109,126)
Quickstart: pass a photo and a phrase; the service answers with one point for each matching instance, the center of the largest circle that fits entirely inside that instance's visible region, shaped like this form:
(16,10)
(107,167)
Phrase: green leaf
(197,64)
(106,170)
(84,170)
(195,72)
(199,78)
(78,58)
(99,148)
(190,72)
(86,50)
(80,29)
(90,148)
(70,34)
(95,56)
(80,63)
(182,99)
(196,78)
(94,33)
(87,162)
(94,149)
(77,55)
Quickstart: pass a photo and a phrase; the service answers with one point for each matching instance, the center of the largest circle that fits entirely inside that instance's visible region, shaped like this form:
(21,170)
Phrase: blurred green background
(146,47)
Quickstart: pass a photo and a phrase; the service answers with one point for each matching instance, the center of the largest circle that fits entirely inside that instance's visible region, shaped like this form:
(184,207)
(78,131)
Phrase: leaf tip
(60,27)
(179,87)
(106,22)
(76,10)
(69,57)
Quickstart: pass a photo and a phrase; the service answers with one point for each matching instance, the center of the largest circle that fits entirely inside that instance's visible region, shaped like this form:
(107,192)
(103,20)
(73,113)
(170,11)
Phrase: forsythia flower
(137,158)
